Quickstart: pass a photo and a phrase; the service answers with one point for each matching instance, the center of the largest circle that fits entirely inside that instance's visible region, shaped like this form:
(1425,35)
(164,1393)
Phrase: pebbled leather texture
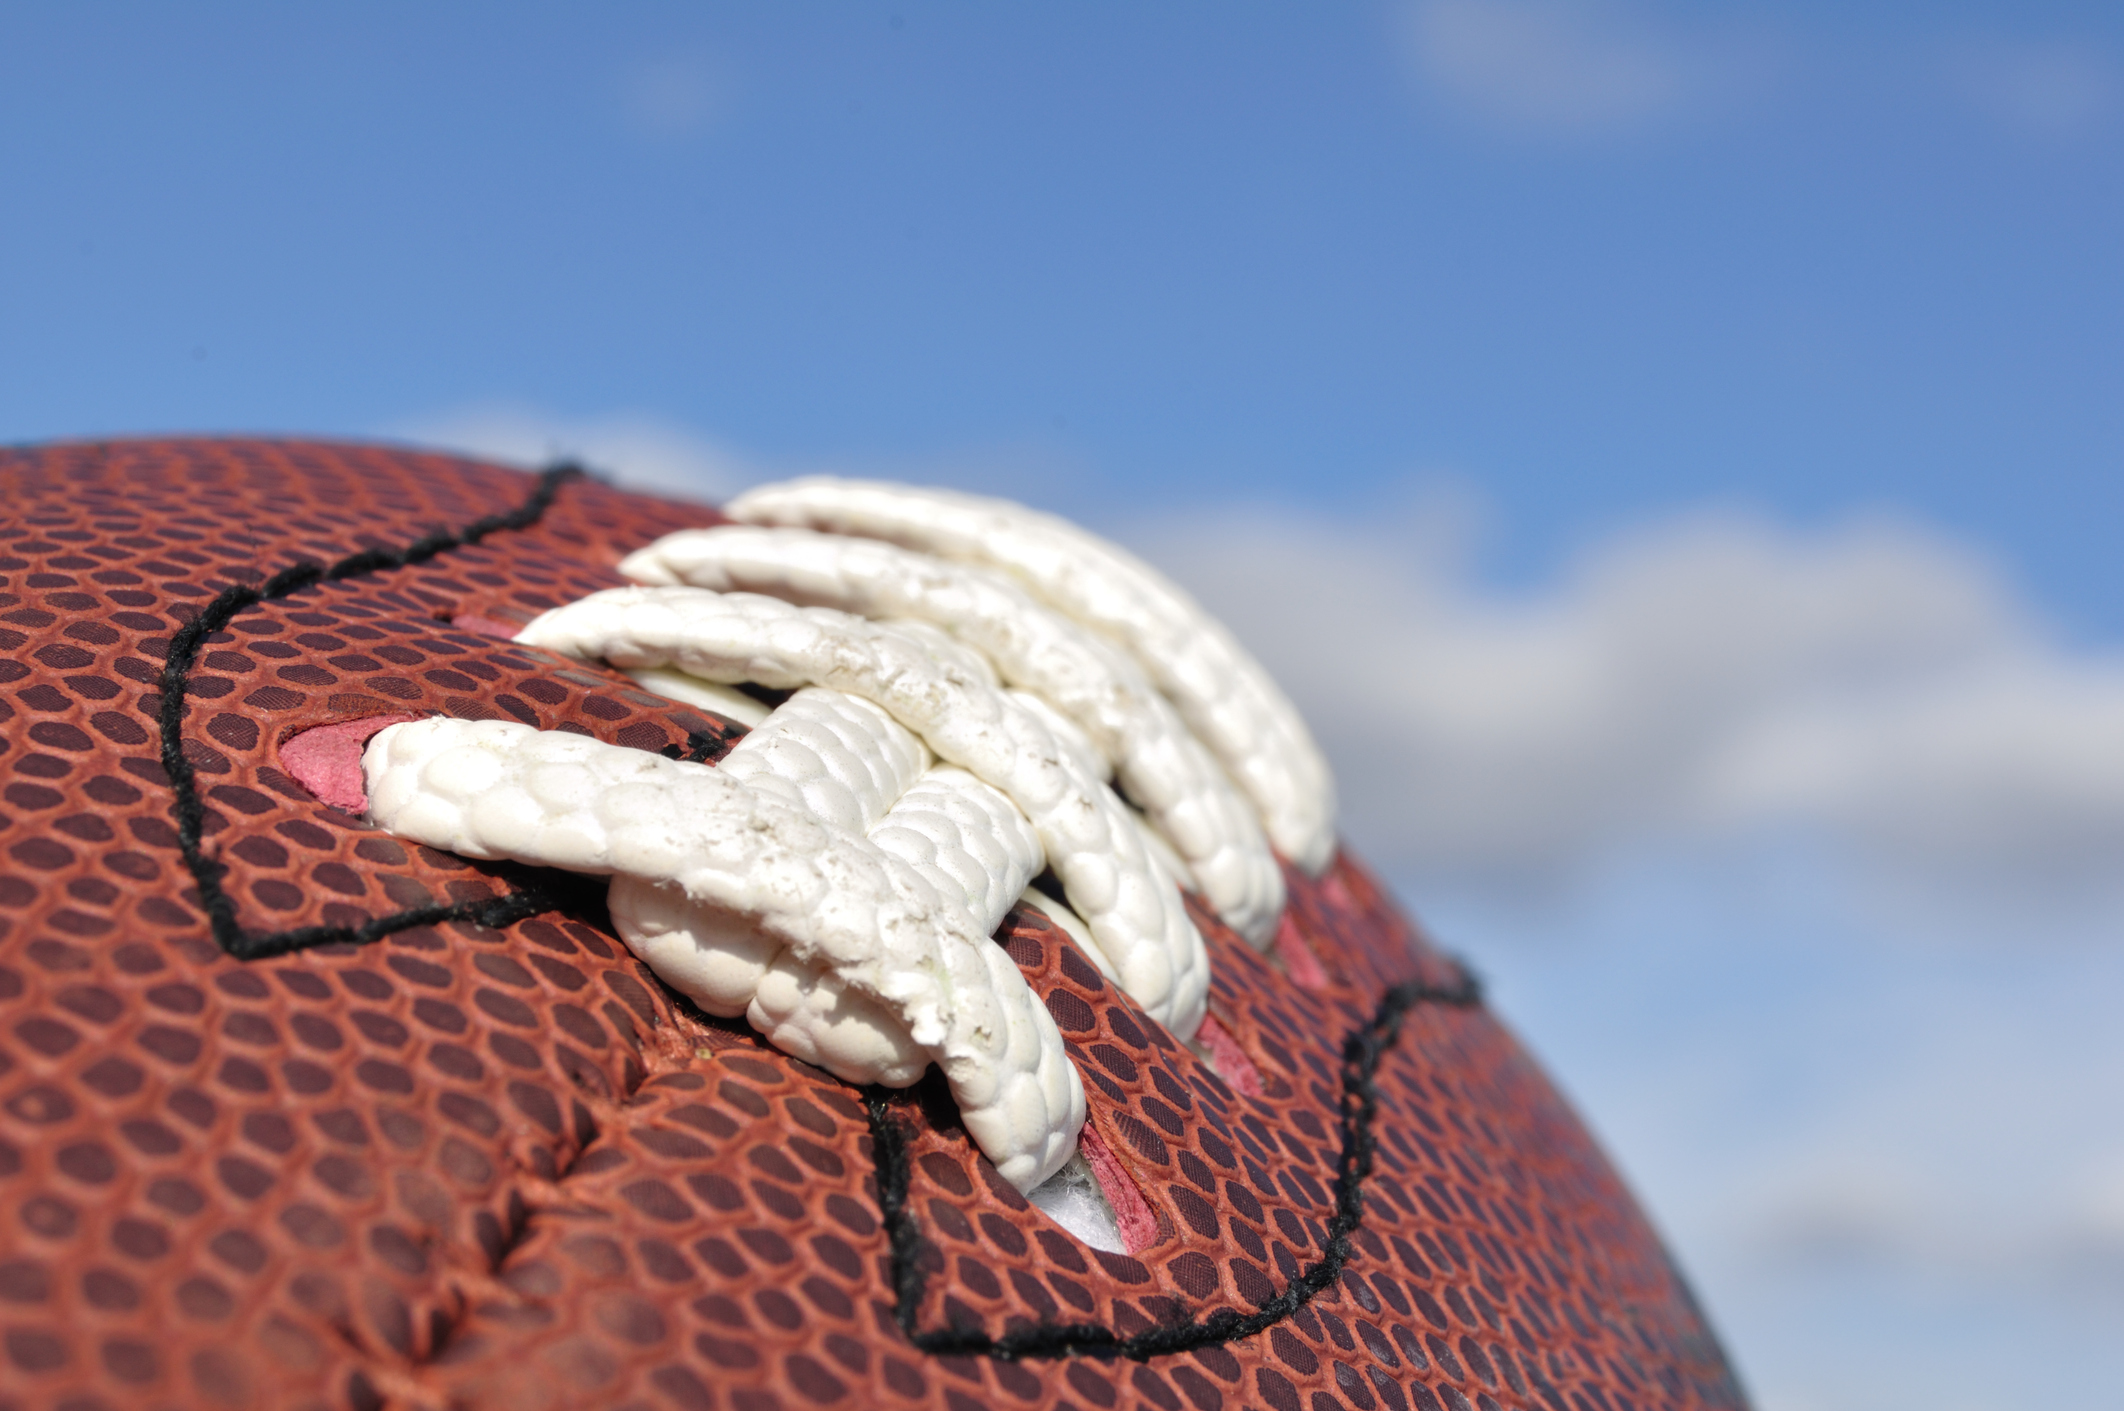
(505,1168)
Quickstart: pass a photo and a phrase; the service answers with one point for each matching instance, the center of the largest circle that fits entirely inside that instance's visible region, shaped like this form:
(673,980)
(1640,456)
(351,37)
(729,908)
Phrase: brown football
(297,1114)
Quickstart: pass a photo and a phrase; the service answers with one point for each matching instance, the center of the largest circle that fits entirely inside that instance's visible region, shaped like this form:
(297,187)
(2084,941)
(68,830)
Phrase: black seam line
(1362,1052)
(526,899)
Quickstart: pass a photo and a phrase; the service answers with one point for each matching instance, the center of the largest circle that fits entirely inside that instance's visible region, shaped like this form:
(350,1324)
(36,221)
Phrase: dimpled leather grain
(505,1168)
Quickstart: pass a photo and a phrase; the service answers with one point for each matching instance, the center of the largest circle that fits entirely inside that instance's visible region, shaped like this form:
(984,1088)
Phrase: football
(479,939)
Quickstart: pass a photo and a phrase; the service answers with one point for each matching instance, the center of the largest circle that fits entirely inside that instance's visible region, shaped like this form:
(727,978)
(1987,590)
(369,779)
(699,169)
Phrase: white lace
(836,878)
(1233,706)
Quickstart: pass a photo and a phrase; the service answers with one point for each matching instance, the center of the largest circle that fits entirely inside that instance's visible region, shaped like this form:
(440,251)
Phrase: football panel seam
(529,896)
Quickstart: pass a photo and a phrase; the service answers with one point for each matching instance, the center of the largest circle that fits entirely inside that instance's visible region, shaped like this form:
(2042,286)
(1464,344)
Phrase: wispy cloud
(1869,1129)
(2054,88)
(1589,71)
(1567,68)
(642,452)
(677,95)
(648,452)
(1876,686)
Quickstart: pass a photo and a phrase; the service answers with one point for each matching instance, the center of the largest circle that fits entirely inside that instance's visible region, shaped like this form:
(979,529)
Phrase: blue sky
(1792,255)
(1713,411)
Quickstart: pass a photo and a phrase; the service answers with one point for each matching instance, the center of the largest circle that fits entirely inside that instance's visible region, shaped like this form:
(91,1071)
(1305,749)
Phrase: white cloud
(1565,68)
(1879,1147)
(1875,687)
(2046,88)
(2047,1230)
(652,453)
(641,452)
(1864,1146)
(676,95)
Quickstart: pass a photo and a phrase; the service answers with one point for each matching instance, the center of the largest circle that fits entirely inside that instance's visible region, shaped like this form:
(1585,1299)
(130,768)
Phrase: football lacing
(1233,706)
(837,877)
(1088,679)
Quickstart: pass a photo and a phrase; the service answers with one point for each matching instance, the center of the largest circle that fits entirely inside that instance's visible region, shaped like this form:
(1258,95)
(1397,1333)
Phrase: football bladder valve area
(965,701)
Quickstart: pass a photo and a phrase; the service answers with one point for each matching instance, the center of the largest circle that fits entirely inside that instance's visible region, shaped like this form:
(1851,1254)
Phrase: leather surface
(506,1168)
